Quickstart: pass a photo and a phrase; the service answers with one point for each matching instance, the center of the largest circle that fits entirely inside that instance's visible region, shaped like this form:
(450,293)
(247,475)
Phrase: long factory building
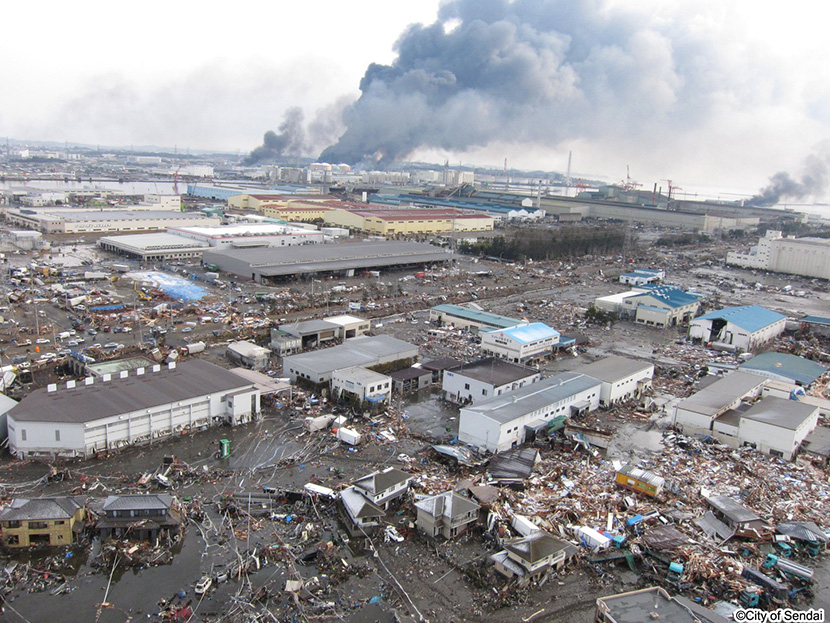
(275,263)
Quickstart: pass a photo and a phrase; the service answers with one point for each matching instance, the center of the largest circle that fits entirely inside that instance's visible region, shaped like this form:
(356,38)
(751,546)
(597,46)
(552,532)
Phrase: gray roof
(358,506)
(495,371)
(714,527)
(535,546)
(447,504)
(34,509)
(789,414)
(152,501)
(361,375)
(248,349)
(309,327)
(530,398)
(444,363)
(410,373)
(376,482)
(276,261)
(614,368)
(357,351)
(818,441)
(515,464)
(6,403)
(718,395)
(129,215)
(803,531)
(655,604)
(731,508)
(101,399)
(154,242)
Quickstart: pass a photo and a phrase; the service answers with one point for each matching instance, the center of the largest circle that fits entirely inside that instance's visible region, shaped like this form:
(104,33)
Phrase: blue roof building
(784,367)
(743,328)
(521,343)
(470,318)
(654,305)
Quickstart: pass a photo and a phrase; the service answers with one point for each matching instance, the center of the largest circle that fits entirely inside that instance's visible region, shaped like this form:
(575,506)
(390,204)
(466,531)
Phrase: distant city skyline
(704,93)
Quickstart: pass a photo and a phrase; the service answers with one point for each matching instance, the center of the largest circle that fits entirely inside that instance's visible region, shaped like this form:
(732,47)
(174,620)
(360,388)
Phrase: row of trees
(529,244)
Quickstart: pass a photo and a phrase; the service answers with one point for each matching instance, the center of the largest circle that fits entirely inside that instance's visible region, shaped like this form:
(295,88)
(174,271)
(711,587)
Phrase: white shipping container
(523,525)
(592,538)
(348,436)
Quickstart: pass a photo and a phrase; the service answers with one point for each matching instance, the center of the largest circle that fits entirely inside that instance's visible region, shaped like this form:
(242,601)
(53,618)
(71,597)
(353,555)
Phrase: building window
(11,524)
(466,386)
(57,435)
(23,434)
(483,392)
(38,525)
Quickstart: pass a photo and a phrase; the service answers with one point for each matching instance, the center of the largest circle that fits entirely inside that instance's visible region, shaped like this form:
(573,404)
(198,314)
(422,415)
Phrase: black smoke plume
(289,142)
(538,71)
(781,186)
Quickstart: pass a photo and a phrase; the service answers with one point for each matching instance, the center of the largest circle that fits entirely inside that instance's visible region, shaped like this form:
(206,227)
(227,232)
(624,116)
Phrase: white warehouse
(484,379)
(249,235)
(741,329)
(809,257)
(108,413)
(622,379)
(502,423)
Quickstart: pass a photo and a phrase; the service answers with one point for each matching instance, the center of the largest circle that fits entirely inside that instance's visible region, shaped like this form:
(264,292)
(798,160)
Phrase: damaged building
(505,421)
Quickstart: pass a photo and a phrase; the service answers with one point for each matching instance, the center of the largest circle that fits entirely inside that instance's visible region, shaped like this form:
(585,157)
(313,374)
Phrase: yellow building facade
(40,521)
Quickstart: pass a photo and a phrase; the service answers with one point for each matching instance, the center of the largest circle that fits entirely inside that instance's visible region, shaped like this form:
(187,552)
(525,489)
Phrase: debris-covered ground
(274,553)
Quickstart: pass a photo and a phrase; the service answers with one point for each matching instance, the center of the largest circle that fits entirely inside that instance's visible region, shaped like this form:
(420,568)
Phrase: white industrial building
(63,221)
(740,329)
(108,413)
(697,413)
(349,326)
(484,379)
(808,257)
(317,366)
(520,344)
(642,276)
(776,426)
(622,379)
(503,422)
(159,247)
(361,384)
(249,235)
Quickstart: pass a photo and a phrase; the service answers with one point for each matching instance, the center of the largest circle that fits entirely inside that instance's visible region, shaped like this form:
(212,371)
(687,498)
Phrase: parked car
(42,340)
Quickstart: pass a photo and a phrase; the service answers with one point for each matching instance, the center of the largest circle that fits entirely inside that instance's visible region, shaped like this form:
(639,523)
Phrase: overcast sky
(714,93)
